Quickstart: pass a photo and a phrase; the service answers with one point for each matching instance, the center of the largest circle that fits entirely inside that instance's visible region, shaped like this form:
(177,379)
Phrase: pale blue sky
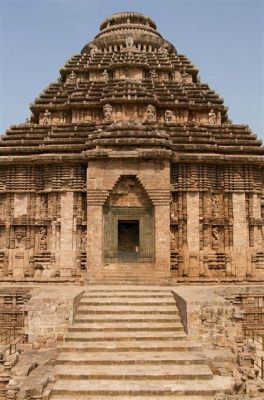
(224,38)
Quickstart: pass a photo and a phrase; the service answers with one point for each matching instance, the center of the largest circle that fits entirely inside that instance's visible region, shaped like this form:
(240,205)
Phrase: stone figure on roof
(72,77)
(176,76)
(107,110)
(212,117)
(151,115)
(47,117)
(105,75)
(153,75)
(94,50)
(129,42)
(169,116)
(164,48)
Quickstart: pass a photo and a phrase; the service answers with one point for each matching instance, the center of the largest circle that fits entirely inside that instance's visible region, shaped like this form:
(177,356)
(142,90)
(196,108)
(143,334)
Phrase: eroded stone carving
(212,117)
(107,110)
(105,75)
(129,42)
(47,117)
(72,78)
(216,236)
(169,116)
(93,50)
(153,75)
(150,115)
(43,238)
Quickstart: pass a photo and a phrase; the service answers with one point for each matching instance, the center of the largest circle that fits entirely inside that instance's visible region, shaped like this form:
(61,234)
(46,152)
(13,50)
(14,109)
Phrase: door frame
(111,216)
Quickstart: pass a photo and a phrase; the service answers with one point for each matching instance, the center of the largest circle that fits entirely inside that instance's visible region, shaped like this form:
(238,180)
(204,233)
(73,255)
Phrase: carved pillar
(240,235)
(162,237)
(66,234)
(94,235)
(257,233)
(95,200)
(256,208)
(193,234)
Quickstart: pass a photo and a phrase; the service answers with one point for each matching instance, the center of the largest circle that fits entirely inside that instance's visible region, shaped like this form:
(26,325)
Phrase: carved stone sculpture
(169,116)
(107,110)
(129,42)
(151,115)
(47,118)
(212,117)
(94,50)
(153,75)
(43,238)
(72,78)
(215,236)
(105,75)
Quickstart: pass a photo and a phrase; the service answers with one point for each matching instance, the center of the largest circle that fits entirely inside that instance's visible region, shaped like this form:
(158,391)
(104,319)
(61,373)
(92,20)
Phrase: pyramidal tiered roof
(128,90)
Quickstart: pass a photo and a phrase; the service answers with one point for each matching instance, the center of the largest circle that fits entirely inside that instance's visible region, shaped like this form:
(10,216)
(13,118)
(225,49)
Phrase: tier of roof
(164,80)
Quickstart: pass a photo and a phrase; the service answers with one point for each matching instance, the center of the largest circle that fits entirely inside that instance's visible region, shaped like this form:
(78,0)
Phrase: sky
(223,38)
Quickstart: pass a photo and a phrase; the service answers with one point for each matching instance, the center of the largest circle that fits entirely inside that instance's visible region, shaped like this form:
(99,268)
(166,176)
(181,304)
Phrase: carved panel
(29,178)
(178,229)
(214,177)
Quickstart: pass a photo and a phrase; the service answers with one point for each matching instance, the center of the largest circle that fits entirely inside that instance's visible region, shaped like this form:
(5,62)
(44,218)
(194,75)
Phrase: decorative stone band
(157,196)
(96,197)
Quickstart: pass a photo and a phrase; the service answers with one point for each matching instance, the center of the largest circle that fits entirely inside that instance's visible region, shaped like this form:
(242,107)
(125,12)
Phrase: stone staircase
(127,274)
(130,344)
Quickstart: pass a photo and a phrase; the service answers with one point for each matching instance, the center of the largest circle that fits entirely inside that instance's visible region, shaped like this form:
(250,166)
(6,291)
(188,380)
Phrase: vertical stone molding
(162,238)
(193,234)
(240,235)
(66,234)
(94,236)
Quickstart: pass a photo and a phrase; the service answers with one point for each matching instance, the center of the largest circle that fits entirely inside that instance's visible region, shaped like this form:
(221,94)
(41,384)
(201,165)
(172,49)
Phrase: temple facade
(130,160)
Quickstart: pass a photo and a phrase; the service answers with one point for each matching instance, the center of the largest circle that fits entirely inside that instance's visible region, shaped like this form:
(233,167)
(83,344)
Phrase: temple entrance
(128,241)
(128,224)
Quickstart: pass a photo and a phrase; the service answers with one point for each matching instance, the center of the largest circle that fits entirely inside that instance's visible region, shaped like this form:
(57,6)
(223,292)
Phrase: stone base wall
(211,317)
(49,313)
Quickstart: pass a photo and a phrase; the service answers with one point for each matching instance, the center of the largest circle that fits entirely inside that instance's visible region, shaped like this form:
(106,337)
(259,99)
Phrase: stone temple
(130,158)
(129,172)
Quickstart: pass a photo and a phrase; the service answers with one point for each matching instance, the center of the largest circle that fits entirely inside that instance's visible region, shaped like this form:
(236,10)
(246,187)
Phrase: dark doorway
(128,240)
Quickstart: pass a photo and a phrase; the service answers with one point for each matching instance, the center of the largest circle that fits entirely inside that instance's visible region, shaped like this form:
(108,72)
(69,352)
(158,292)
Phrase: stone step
(132,308)
(120,336)
(128,397)
(114,318)
(127,270)
(134,372)
(131,295)
(130,289)
(127,281)
(130,357)
(126,326)
(128,277)
(128,302)
(130,273)
(143,388)
(129,345)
